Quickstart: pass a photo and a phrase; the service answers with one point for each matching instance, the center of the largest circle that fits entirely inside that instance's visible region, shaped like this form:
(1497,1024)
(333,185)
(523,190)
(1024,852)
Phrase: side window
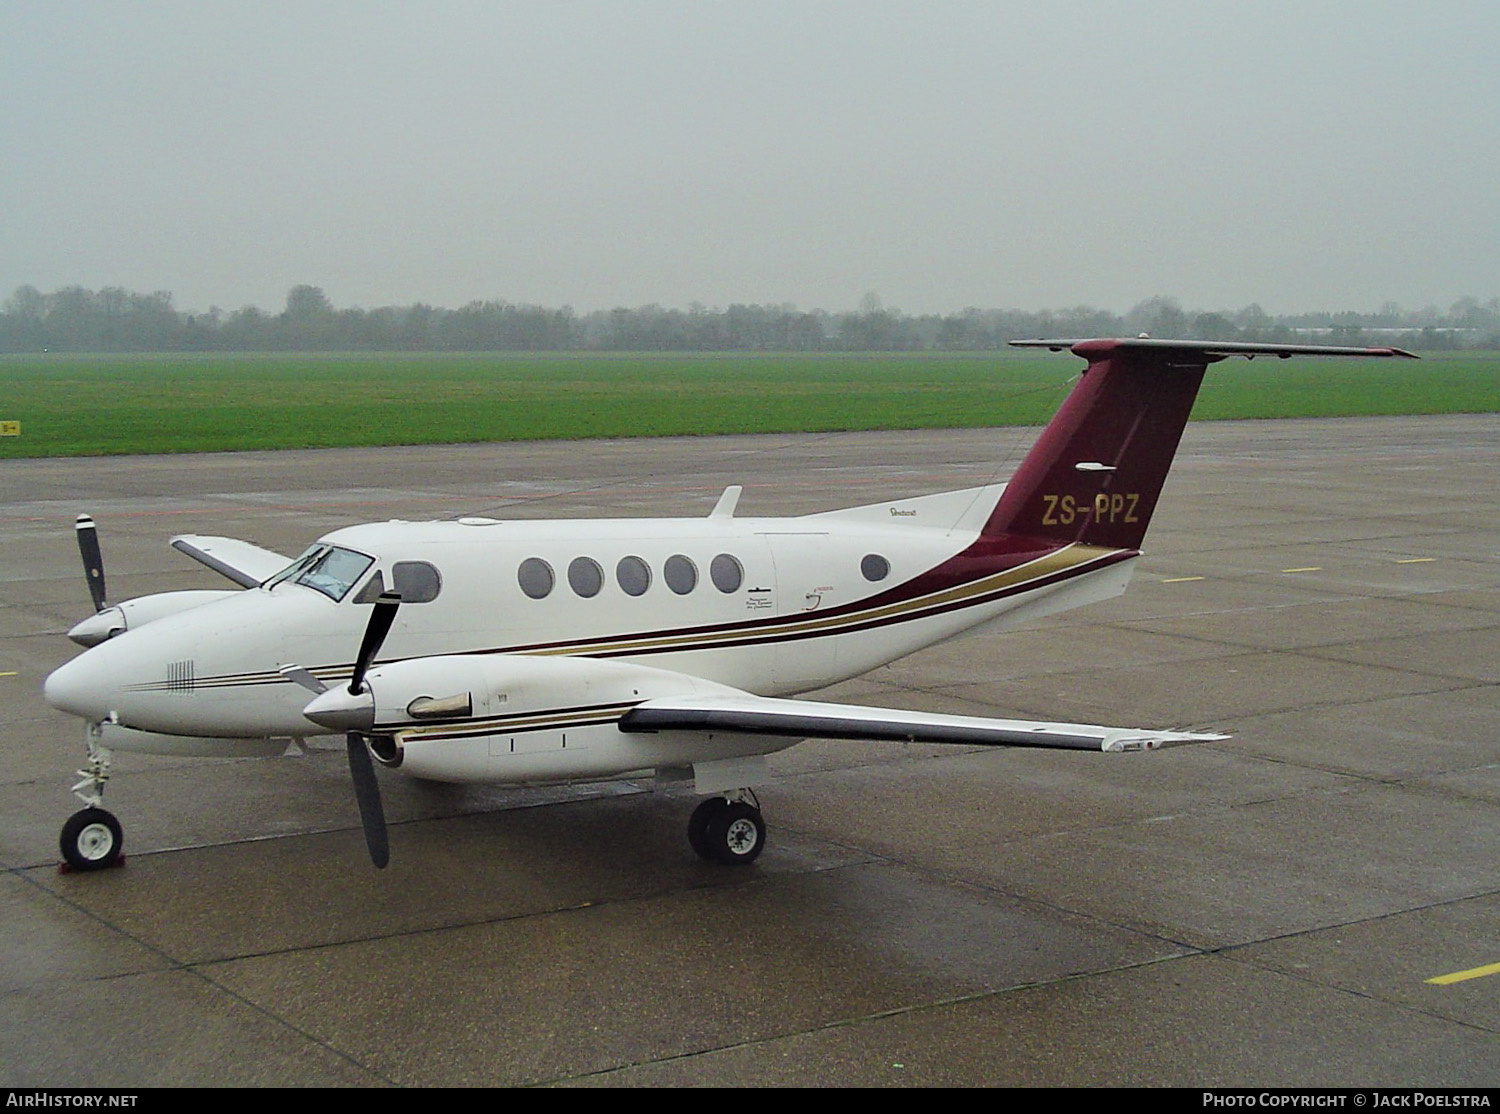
(680,574)
(417,581)
(536,578)
(875,567)
(727,573)
(633,576)
(585,576)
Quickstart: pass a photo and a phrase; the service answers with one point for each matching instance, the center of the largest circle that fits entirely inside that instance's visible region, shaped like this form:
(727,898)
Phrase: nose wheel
(91,840)
(728,831)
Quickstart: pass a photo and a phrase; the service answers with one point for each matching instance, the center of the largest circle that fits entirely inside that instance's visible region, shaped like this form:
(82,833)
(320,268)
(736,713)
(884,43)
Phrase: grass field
(78,406)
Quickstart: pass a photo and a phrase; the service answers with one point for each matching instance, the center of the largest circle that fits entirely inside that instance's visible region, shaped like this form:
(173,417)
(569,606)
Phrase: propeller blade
(381,618)
(367,793)
(93,560)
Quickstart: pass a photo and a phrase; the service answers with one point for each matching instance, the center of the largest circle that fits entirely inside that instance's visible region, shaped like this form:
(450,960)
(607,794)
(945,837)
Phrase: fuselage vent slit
(180,676)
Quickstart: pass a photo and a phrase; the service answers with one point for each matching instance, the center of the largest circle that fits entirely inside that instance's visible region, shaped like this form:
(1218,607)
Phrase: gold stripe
(503,726)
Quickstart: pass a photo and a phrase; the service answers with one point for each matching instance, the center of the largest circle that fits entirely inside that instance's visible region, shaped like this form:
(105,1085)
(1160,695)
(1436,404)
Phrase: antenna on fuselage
(724,508)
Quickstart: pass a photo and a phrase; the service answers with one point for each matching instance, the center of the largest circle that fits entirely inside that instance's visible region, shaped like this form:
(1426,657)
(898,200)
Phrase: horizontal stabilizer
(1201,351)
(247,565)
(1096,472)
(757,715)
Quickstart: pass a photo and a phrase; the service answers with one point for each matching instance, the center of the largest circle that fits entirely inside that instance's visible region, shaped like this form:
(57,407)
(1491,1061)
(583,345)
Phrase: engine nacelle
(136,613)
(511,717)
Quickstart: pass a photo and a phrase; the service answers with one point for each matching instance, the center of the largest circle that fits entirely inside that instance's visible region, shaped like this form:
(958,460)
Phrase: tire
(736,835)
(91,840)
(698,826)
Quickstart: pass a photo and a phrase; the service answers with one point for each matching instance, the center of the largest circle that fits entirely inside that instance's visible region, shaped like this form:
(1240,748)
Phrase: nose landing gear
(92,838)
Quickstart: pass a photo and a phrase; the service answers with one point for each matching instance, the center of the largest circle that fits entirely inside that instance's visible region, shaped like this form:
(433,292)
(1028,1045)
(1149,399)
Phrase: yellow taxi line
(1464,976)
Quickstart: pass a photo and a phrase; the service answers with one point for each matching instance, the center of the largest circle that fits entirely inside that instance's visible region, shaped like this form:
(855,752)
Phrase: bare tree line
(112,319)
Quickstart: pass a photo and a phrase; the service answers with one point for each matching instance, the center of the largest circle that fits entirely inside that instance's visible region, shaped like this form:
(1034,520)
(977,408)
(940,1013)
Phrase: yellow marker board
(10,429)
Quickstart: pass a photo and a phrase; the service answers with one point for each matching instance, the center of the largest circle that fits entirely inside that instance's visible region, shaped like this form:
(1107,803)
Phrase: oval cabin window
(680,574)
(585,577)
(727,573)
(633,576)
(536,578)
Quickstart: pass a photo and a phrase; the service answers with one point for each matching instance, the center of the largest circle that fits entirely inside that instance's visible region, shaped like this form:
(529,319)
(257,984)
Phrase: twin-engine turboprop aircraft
(547,652)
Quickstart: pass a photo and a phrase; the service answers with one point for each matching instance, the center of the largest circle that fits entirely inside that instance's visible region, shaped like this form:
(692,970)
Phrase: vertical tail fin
(1097,470)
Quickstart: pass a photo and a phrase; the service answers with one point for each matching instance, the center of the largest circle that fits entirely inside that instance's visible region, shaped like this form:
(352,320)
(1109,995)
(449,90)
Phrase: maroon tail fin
(1096,472)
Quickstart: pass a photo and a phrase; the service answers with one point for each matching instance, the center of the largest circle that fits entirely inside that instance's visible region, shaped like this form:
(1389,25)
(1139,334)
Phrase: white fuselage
(772,606)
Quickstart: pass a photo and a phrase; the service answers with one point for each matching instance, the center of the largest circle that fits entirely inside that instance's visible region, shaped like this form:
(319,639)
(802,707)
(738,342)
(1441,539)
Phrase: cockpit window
(326,568)
(307,557)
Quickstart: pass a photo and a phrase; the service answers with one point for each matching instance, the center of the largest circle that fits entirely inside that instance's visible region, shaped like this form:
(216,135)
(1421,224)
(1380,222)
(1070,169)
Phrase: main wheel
(736,835)
(698,826)
(91,840)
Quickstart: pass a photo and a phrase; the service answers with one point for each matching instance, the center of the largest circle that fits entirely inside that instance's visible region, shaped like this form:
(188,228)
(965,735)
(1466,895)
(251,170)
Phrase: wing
(757,715)
(247,565)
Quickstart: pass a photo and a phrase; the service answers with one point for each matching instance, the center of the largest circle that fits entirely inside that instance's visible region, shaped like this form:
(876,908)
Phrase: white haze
(1309,155)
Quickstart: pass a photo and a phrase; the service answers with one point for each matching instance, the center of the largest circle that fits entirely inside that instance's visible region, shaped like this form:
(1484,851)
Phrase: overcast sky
(1320,154)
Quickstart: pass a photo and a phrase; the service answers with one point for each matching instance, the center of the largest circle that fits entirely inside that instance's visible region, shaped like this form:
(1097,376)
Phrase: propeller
(381,618)
(361,769)
(93,560)
(367,793)
(343,708)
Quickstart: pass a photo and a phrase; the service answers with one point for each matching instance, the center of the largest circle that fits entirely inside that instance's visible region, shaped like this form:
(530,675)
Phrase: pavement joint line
(1226,952)
(1327,653)
(198,966)
(186,968)
(1351,992)
(878,1015)
(1226,949)
(1137,626)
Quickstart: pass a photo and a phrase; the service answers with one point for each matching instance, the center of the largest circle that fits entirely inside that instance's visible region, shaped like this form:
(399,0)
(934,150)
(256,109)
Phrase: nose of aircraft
(81,688)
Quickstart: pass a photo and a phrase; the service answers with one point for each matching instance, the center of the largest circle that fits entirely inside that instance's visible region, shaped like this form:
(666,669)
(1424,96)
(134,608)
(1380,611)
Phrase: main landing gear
(92,838)
(728,829)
